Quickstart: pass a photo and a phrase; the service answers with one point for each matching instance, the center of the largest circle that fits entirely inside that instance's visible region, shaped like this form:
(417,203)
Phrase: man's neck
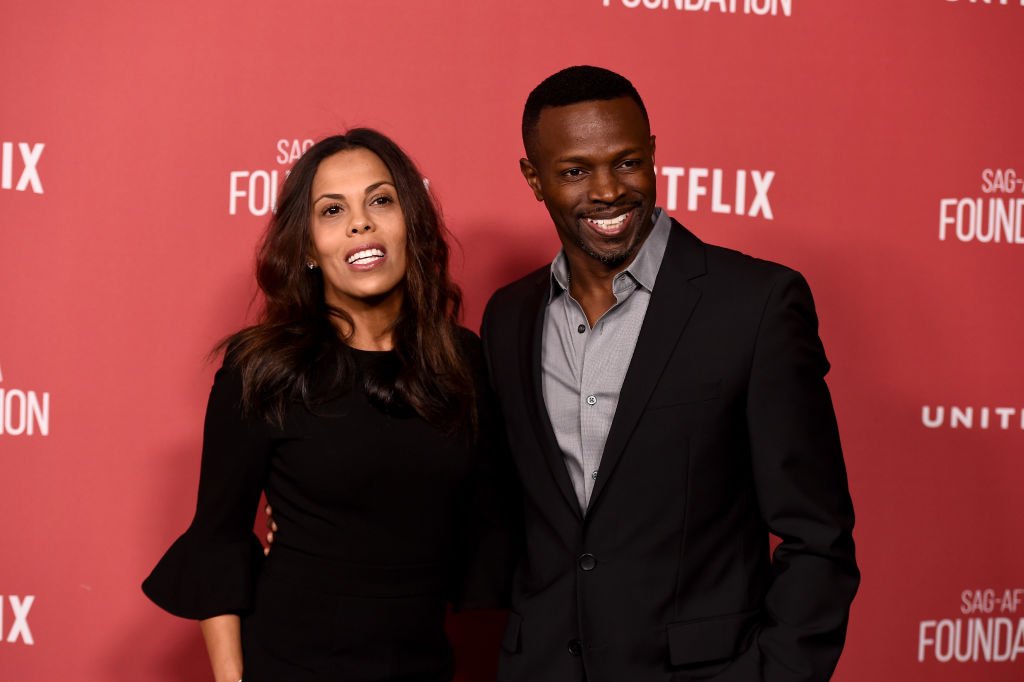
(590,283)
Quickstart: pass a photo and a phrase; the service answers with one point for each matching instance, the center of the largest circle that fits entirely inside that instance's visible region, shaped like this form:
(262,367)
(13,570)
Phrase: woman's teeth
(365,256)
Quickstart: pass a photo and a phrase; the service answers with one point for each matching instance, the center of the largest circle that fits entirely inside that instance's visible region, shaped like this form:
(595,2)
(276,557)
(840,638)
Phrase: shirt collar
(644,268)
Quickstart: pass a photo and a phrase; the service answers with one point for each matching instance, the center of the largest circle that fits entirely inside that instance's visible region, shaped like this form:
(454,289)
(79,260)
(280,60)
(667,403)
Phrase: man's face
(592,164)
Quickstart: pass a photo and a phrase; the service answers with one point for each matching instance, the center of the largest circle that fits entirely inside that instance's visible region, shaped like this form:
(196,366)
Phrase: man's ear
(532,179)
(652,148)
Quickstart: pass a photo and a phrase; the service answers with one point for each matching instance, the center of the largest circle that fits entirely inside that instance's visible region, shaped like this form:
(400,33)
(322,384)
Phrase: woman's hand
(271,529)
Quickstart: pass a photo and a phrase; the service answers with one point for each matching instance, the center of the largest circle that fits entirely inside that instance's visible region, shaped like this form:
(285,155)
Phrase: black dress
(382,518)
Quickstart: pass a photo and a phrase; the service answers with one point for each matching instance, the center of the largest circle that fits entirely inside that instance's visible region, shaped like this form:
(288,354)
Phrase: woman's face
(358,230)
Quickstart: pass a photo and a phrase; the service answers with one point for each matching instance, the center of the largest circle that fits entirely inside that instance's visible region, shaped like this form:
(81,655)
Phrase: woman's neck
(373,324)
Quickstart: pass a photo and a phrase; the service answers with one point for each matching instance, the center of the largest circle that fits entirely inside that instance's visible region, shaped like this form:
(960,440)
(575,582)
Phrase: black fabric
(381,518)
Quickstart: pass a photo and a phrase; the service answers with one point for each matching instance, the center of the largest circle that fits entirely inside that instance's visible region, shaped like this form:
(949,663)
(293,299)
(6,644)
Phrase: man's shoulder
(724,264)
(514,294)
(731,261)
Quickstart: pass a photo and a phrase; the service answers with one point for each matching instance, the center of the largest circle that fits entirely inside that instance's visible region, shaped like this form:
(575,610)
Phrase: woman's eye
(382,200)
(333,209)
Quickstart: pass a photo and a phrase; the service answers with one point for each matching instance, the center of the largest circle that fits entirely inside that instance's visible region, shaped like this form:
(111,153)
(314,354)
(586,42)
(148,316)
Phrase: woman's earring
(310,265)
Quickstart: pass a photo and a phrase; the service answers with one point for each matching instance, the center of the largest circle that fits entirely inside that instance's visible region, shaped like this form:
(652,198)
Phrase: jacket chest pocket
(675,394)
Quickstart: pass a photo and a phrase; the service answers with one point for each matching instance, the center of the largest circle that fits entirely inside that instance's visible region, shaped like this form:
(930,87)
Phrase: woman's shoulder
(467,337)
(469,344)
(472,351)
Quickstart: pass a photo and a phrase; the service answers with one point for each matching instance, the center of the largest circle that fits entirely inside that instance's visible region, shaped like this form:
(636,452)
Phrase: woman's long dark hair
(295,341)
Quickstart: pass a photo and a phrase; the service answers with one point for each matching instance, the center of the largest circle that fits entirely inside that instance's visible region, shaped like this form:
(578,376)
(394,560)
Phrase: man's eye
(573,172)
(631,163)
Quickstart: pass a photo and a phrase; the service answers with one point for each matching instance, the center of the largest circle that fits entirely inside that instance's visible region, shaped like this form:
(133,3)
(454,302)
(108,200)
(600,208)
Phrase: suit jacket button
(587,562)
(575,648)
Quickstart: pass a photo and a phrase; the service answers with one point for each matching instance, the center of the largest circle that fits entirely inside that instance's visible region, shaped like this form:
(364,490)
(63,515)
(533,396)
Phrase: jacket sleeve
(802,489)
(488,539)
(210,570)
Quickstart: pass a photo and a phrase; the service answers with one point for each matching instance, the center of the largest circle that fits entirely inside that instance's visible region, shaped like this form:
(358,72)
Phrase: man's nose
(606,187)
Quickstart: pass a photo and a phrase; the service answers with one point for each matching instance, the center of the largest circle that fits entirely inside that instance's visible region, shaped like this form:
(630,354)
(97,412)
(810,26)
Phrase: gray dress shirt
(583,368)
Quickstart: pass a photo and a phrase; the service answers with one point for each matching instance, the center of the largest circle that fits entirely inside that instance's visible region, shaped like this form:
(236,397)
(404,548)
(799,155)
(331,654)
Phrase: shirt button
(587,562)
(582,328)
(594,475)
(591,400)
(575,648)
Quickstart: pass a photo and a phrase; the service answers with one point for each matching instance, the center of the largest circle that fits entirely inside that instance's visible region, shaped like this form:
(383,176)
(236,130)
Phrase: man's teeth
(365,256)
(611,222)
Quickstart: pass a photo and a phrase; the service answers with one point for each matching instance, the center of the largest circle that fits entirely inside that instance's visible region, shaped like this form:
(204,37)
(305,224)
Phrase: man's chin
(614,257)
(609,259)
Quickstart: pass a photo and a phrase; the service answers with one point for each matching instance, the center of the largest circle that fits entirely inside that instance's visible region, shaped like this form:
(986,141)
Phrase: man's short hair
(571,86)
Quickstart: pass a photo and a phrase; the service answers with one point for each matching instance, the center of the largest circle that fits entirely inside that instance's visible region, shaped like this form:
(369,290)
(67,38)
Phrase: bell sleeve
(211,569)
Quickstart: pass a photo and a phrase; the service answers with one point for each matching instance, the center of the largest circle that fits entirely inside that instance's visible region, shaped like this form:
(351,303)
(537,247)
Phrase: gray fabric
(583,372)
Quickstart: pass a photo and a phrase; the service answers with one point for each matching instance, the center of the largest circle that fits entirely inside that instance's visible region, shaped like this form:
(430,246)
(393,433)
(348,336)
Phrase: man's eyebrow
(588,159)
(341,197)
(573,159)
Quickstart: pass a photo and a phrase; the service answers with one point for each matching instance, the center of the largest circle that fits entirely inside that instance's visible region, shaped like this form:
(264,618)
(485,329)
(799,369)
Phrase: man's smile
(610,226)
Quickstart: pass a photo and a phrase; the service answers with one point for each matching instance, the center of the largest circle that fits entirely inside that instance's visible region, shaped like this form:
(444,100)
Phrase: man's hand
(271,529)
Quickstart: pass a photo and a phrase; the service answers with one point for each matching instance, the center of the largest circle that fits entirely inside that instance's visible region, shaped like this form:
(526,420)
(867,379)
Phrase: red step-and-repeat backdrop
(876,146)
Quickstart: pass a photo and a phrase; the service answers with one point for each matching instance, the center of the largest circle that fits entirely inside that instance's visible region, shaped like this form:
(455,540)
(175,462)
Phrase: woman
(357,404)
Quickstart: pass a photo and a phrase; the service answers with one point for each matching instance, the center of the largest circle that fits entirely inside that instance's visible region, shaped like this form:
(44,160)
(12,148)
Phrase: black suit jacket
(724,433)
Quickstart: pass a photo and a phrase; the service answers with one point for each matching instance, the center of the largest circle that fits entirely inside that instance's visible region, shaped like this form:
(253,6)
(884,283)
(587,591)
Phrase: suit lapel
(530,343)
(672,302)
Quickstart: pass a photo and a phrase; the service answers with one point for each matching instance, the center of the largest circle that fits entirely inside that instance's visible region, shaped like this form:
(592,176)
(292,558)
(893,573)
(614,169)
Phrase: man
(666,409)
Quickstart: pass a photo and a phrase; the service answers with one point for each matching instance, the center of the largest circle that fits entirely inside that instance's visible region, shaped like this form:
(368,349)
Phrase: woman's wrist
(227,674)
